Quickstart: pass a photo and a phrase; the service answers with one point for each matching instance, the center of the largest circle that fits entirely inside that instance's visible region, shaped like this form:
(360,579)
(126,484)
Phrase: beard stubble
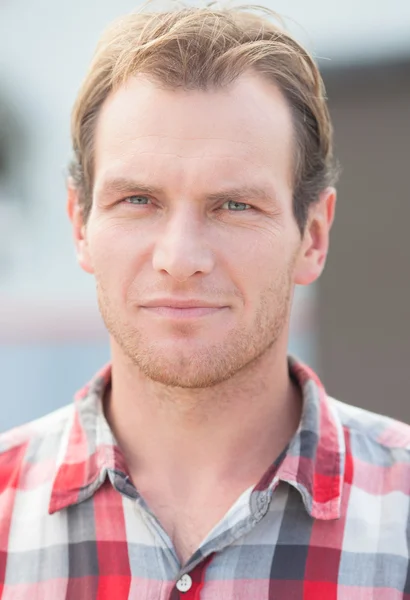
(204,365)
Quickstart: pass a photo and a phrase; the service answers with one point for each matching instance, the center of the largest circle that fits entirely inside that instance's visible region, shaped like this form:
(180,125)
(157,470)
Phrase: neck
(234,429)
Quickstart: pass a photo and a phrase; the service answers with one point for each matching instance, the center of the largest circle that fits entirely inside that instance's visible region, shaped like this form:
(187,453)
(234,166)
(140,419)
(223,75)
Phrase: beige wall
(364,295)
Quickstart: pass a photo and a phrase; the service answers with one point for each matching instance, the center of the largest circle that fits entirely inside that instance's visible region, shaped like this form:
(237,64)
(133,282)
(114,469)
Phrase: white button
(184,584)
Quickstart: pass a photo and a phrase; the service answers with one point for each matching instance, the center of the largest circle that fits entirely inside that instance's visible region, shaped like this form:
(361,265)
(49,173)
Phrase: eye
(235,206)
(139,200)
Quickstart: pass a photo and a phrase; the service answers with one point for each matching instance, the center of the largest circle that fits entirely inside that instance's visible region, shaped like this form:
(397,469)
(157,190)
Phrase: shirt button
(184,584)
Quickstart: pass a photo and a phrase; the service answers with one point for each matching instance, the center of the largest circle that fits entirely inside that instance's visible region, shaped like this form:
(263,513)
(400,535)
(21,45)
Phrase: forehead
(241,131)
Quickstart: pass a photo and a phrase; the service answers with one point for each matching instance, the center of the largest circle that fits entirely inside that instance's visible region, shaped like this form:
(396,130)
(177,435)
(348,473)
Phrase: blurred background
(353,327)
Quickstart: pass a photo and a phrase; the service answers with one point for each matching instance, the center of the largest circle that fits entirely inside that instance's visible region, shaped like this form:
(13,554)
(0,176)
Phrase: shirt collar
(313,463)
(88,450)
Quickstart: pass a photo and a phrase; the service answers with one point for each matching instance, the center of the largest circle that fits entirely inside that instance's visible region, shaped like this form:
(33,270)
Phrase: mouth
(186,312)
(182,308)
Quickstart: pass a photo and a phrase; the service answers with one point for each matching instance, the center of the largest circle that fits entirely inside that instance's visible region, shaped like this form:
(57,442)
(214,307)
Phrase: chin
(173,378)
(184,369)
(185,363)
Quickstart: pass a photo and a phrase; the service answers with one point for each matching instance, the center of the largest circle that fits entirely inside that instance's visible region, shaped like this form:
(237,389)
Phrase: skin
(193,200)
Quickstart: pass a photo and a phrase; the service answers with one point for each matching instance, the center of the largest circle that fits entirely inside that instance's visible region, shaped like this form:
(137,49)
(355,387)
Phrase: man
(203,463)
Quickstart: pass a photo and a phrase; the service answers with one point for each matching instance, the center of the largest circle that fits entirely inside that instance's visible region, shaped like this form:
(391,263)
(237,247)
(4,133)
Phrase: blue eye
(236,206)
(139,200)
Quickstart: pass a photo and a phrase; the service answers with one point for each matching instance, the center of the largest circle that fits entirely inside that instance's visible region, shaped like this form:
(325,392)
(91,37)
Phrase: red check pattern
(328,520)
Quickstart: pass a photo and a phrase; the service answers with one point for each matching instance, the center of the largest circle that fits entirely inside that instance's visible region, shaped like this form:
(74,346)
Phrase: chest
(188,524)
(106,548)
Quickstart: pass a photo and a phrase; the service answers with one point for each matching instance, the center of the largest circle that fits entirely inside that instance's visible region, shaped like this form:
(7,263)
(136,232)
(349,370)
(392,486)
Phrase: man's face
(191,235)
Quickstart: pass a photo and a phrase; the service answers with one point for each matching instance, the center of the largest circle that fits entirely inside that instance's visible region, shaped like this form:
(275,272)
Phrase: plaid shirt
(329,520)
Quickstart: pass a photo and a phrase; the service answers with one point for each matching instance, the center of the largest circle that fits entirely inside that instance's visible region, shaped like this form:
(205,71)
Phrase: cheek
(263,255)
(116,256)
(269,278)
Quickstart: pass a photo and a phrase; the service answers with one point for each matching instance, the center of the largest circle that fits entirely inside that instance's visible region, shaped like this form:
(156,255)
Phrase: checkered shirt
(329,520)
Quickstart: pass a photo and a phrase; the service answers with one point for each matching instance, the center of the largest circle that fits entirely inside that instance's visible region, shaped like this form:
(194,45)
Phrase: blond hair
(203,48)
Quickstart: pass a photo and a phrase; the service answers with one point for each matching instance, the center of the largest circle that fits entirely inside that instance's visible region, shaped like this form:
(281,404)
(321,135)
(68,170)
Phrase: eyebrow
(241,194)
(124,185)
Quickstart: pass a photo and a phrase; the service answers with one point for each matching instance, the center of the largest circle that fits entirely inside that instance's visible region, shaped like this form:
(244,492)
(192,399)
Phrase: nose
(182,250)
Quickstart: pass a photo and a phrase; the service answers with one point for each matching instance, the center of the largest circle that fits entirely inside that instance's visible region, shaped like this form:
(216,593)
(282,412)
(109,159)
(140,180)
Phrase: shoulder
(372,433)
(31,444)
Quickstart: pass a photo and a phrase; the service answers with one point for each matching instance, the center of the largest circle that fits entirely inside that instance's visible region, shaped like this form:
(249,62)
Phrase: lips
(183,303)
(182,313)
(178,308)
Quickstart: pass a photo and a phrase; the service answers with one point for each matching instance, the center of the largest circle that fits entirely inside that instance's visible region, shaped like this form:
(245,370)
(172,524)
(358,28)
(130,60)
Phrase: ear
(75,214)
(315,244)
